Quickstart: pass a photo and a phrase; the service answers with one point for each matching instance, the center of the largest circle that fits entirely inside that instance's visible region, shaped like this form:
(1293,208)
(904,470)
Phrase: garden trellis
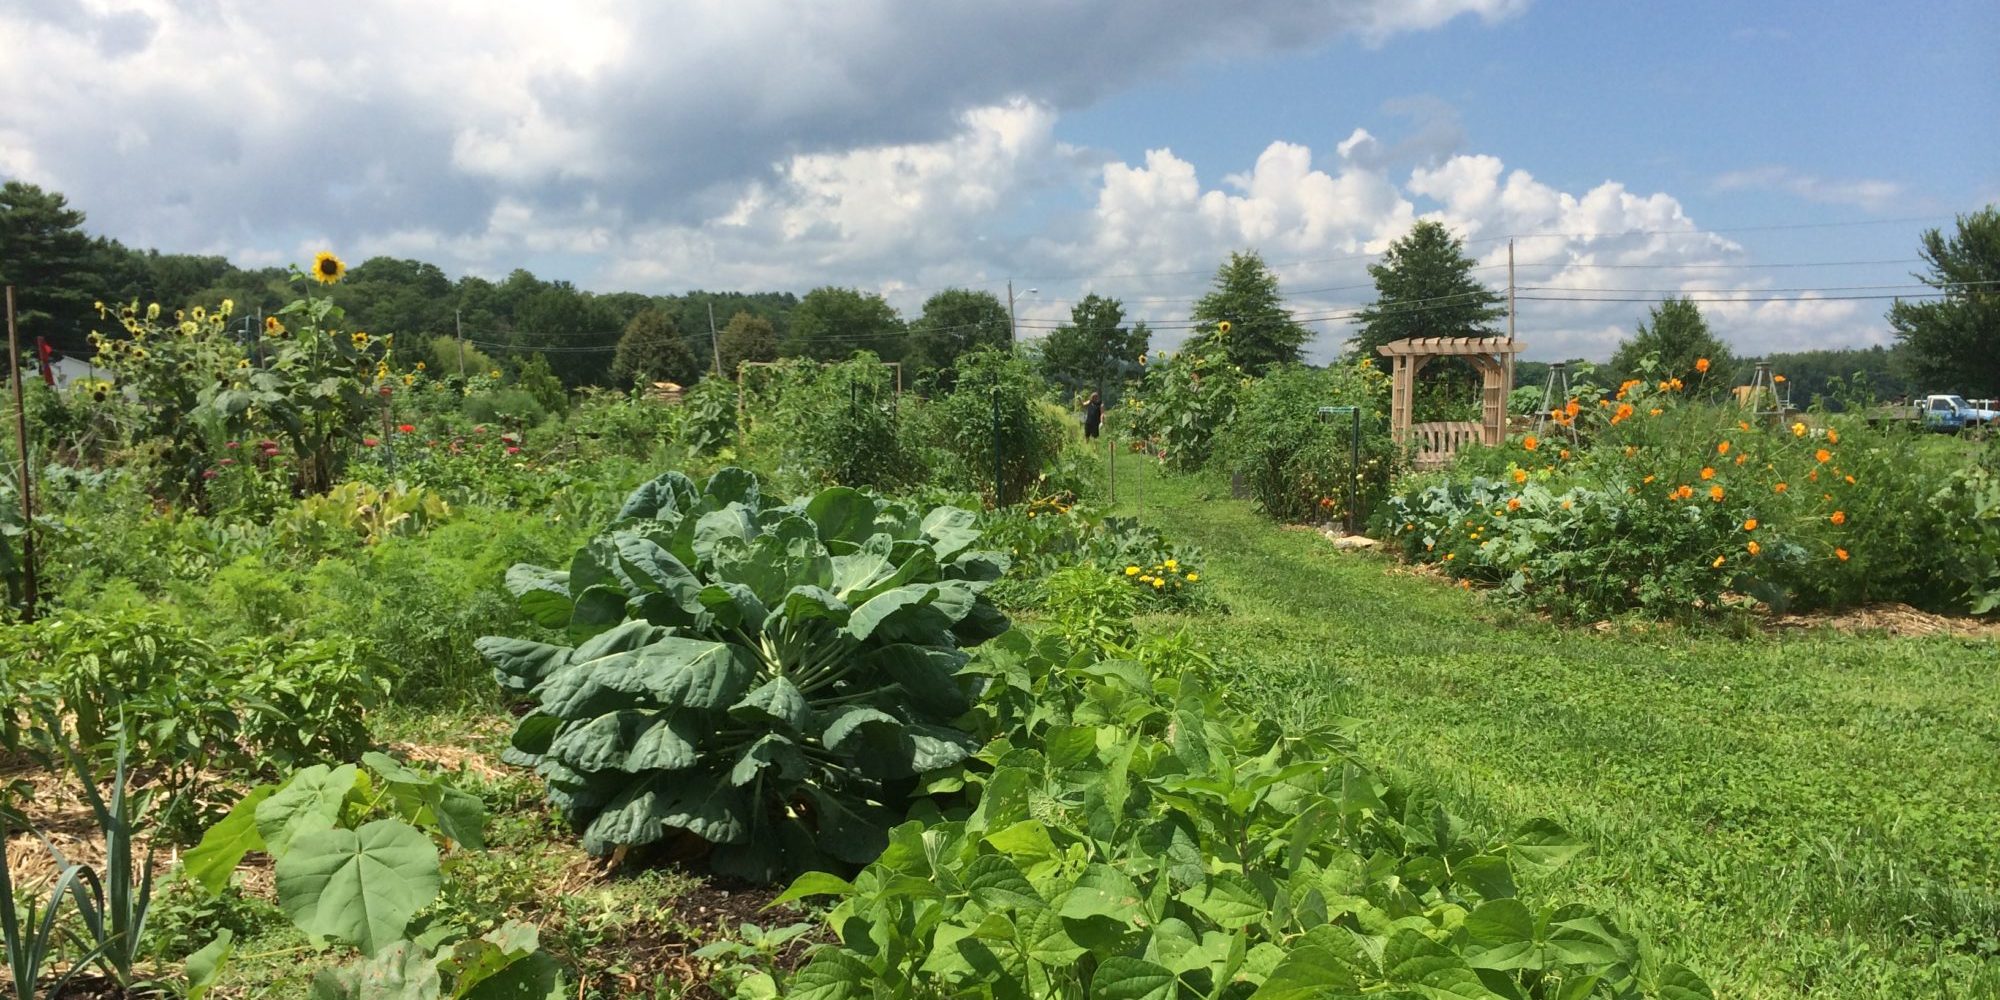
(1438,441)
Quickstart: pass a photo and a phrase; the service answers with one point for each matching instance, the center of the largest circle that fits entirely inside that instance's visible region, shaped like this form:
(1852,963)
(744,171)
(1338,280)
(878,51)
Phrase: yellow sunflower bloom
(327,268)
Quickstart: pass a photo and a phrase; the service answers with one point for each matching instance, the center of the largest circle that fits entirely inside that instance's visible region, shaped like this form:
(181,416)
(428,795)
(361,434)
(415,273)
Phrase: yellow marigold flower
(1840,554)
(1158,583)
(1707,472)
(327,268)
(1131,571)
(1530,443)
(1838,517)
(1717,564)
(1823,455)
(1701,365)
(1799,429)
(1449,556)
(1753,548)
(1192,577)
(1715,493)
(1750,525)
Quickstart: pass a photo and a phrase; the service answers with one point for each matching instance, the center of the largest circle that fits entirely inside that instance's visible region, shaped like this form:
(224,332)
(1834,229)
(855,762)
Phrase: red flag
(47,354)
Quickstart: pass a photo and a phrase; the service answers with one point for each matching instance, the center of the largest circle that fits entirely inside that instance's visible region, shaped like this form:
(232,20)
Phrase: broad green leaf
(647,567)
(1677,982)
(400,972)
(996,883)
(307,803)
(950,530)
(1229,900)
(520,664)
(697,803)
(1489,875)
(506,964)
(535,733)
(1414,961)
(668,495)
(543,594)
(358,886)
(1544,844)
(1101,891)
(813,884)
(223,846)
(775,701)
(842,513)
(900,606)
(833,974)
(673,672)
(1500,935)
(458,814)
(867,567)
(771,752)
(845,722)
(1121,978)
(204,967)
(928,676)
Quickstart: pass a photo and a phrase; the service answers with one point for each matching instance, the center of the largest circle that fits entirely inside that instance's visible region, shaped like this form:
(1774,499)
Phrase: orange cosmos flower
(1840,554)
(1838,517)
(1823,455)
(1520,476)
(1750,525)
(1530,443)
(1780,488)
(1722,449)
(1514,503)
(1624,412)
(1715,493)
(1707,472)
(1753,548)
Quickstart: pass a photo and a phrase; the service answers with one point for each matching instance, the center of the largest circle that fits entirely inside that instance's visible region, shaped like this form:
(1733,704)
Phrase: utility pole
(1510,288)
(1012,336)
(714,344)
(27,479)
(458,325)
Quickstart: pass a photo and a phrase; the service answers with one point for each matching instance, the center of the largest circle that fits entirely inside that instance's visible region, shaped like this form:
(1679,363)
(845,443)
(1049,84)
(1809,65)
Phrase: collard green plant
(769,678)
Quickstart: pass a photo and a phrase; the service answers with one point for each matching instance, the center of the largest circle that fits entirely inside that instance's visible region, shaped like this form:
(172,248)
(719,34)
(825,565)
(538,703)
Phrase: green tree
(1424,288)
(52,264)
(1953,341)
(832,323)
(747,338)
(566,326)
(1095,350)
(652,350)
(1675,338)
(955,321)
(1261,331)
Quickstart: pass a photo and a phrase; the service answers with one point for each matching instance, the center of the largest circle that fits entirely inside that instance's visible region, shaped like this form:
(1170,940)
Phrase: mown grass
(1804,815)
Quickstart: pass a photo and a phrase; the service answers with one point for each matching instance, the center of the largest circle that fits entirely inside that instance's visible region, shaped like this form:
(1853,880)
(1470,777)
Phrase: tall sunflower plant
(167,368)
(321,386)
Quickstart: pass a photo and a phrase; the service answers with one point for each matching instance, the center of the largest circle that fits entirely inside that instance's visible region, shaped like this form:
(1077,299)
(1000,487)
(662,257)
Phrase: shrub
(1297,464)
(768,679)
(990,429)
(1182,402)
(833,424)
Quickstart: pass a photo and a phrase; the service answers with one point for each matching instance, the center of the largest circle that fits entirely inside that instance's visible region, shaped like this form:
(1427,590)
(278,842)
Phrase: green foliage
(45,253)
(1953,341)
(1244,318)
(1095,351)
(1670,344)
(769,679)
(1133,836)
(178,370)
(833,424)
(1181,404)
(185,704)
(955,321)
(1046,538)
(708,420)
(653,350)
(1424,288)
(831,323)
(747,338)
(1297,464)
(991,425)
(1090,608)
(355,513)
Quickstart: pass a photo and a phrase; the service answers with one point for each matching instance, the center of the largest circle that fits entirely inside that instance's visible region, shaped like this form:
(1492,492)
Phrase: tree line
(1424,287)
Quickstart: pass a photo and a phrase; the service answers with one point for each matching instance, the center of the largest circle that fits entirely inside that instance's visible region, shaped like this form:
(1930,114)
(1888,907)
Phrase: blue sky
(1119,146)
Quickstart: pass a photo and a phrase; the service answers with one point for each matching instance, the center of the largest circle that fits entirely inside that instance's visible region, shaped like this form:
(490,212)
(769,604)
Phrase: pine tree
(1261,332)
(1674,339)
(1424,288)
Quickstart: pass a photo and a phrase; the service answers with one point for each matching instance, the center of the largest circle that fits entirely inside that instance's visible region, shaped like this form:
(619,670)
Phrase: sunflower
(272,327)
(327,268)
(1222,328)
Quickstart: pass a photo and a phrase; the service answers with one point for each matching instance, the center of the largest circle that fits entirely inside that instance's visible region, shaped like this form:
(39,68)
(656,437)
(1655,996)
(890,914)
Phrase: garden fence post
(27,477)
(999,486)
(1354,472)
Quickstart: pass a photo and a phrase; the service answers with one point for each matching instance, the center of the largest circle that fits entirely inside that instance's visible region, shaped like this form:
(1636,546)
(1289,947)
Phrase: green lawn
(1806,815)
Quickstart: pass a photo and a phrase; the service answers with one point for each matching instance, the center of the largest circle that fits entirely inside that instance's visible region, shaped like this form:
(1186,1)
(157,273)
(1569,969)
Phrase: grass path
(1806,816)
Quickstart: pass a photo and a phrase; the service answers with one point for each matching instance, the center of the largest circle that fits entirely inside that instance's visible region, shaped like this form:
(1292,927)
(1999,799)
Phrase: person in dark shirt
(1093,415)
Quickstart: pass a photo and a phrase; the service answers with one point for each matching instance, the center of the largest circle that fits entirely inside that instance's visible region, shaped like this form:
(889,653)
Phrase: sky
(1776,161)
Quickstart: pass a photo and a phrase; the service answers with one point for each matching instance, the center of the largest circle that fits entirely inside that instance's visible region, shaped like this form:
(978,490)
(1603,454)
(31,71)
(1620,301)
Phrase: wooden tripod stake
(27,478)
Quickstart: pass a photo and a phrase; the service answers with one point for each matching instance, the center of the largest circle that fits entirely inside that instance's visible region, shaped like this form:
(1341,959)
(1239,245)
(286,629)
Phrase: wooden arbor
(1438,441)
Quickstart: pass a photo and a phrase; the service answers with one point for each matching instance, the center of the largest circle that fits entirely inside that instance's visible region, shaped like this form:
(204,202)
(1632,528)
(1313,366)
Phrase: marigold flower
(1631,450)
(1624,411)
(1449,556)
(1753,548)
(1571,408)
(1701,365)
(1743,425)
(1715,493)
(1157,582)
(1838,517)
(1850,480)
(327,268)
(1192,577)
(1832,436)
(1840,554)
(1173,564)
(1567,505)
(1741,458)
(1530,443)
(1649,478)
(1131,571)
(1685,491)
(1707,472)
(1823,455)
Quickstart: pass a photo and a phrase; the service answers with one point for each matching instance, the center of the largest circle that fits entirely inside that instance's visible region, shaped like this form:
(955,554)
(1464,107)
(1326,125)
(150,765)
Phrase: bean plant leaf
(204,967)
(1122,978)
(833,974)
(1500,935)
(1544,844)
(358,886)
